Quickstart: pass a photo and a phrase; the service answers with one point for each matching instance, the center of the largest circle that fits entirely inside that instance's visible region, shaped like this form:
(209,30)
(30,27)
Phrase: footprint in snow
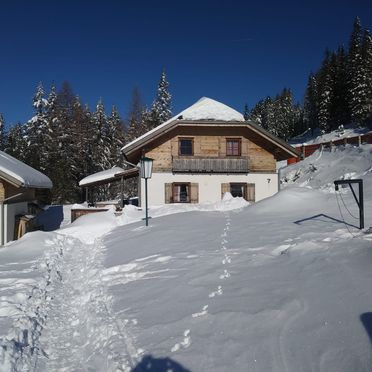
(201,313)
(225,275)
(183,344)
(219,292)
(226,260)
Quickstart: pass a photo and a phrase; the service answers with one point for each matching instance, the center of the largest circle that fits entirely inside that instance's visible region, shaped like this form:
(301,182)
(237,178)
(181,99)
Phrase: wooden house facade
(207,150)
(18,187)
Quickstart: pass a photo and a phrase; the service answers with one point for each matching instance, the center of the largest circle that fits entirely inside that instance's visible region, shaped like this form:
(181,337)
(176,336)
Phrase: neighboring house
(207,150)
(18,184)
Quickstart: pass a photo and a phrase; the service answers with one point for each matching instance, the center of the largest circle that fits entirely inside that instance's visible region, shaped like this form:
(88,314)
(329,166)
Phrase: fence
(307,150)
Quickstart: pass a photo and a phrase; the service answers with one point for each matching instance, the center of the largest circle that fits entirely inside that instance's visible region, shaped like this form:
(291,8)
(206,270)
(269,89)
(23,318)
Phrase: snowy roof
(21,174)
(204,109)
(209,109)
(105,175)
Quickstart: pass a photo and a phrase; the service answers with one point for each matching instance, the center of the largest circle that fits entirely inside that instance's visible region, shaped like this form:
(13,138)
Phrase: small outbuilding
(18,186)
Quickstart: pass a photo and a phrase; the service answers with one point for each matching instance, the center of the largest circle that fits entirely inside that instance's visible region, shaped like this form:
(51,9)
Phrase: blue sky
(232,51)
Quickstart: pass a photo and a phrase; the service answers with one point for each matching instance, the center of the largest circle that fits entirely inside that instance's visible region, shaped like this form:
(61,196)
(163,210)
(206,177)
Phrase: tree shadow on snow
(366,319)
(323,218)
(151,364)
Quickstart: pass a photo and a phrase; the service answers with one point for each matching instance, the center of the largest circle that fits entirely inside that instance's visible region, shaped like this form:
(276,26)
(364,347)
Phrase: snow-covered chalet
(18,185)
(206,150)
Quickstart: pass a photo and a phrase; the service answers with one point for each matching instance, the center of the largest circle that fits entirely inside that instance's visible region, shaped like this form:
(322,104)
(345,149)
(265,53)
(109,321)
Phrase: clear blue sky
(232,51)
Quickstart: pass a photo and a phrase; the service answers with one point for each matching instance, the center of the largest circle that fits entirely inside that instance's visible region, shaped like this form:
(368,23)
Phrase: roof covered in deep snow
(21,174)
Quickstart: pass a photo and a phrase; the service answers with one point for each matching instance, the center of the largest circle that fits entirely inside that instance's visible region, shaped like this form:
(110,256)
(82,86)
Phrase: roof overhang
(278,147)
(125,174)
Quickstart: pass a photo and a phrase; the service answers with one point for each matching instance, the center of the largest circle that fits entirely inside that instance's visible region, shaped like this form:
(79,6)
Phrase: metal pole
(147,217)
(122,192)
(361,205)
(86,194)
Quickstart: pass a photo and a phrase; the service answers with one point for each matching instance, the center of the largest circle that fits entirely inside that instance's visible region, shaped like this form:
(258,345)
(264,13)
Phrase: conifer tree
(311,104)
(246,113)
(356,75)
(367,61)
(2,133)
(16,144)
(37,132)
(115,137)
(161,108)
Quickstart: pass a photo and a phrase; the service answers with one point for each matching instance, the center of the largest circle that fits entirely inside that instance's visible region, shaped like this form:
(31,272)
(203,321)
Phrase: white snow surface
(26,175)
(308,139)
(203,109)
(280,285)
(101,176)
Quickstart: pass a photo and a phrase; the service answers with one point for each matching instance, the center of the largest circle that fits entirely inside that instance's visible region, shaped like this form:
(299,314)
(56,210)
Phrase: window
(238,190)
(186,146)
(181,193)
(233,147)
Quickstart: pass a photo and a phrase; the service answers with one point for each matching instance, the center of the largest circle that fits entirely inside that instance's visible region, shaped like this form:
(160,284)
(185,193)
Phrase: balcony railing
(209,165)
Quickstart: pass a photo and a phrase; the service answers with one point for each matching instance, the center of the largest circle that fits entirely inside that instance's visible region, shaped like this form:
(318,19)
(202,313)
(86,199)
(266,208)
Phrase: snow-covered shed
(18,184)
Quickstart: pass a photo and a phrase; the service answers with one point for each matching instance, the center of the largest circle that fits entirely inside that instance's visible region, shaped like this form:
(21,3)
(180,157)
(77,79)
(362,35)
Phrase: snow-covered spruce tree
(325,93)
(16,144)
(161,108)
(367,61)
(283,120)
(137,118)
(311,103)
(246,112)
(37,132)
(2,133)
(356,75)
(339,108)
(115,137)
(63,176)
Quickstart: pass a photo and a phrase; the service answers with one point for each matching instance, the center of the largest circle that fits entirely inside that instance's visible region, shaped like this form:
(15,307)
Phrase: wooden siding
(8,190)
(209,143)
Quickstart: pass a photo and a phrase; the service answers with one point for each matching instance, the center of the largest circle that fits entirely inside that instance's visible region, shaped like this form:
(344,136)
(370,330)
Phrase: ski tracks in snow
(225,274)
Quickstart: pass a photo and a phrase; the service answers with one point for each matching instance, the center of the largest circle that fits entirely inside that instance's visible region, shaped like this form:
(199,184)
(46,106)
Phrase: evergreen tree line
(339,93)
(67,141)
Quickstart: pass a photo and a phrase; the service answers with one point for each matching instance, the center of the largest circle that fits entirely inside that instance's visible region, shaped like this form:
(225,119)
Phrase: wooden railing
(210,165)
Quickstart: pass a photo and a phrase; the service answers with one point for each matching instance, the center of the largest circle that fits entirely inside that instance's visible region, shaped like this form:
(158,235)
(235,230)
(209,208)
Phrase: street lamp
(146,172)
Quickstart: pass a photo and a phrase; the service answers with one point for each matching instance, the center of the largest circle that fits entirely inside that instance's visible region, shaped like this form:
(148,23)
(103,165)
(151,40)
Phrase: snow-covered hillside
(280,285)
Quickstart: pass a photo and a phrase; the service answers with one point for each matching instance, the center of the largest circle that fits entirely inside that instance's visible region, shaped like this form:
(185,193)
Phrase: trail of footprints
(186,342)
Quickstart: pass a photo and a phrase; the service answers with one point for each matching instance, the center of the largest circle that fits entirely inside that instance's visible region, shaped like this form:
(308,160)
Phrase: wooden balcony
(209,165)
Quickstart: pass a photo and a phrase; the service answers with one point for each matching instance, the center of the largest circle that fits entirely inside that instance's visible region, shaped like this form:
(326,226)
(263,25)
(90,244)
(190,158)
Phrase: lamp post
(146,172)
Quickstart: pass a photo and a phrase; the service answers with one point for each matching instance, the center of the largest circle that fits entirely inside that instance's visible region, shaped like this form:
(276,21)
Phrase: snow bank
(322,168)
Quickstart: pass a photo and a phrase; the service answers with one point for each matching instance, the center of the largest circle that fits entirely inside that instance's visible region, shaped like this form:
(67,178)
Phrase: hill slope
(281,285)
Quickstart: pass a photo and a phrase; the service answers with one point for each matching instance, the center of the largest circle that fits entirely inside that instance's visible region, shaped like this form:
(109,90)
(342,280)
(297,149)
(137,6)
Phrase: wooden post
(359,140)
(122,192)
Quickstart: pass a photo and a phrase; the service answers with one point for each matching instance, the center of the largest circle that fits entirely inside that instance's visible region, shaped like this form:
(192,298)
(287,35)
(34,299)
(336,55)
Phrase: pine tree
(37,132)
(356,75)
(246,113)
(137,112)
(115,137)
(311,104)
(325,93)
(161,108)
(16,144)
(367,62)
(2,133)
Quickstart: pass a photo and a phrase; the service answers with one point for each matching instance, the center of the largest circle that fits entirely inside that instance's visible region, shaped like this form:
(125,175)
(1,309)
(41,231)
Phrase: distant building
(207,150)
(18,185)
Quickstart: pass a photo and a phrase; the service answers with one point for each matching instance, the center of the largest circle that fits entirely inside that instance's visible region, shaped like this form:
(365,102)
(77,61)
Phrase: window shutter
(168,193)
(194,193)
(225,187)
(251,197)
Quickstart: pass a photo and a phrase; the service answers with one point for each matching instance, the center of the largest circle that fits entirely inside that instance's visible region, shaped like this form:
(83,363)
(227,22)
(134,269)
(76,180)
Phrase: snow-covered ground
(280,285)
(317,137)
